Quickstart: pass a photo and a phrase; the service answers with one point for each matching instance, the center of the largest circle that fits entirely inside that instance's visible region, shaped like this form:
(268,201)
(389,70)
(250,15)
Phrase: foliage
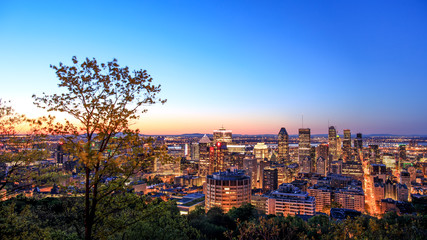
(141,218)
(213,224)
(20,153)
(103,99)
(161,220)
(243,213)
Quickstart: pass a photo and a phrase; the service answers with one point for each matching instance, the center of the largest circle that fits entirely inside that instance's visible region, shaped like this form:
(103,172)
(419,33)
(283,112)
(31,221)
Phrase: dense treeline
(144,218)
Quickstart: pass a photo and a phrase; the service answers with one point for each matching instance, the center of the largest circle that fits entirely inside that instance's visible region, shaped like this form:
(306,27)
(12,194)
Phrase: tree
(243,213)
(19,152)
(102,99)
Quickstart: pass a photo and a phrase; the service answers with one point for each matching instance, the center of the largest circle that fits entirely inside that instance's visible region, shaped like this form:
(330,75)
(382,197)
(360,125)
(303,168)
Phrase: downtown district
(279,174)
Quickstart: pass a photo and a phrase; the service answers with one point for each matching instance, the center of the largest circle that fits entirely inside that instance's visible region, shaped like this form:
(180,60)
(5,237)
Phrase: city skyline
(250,67)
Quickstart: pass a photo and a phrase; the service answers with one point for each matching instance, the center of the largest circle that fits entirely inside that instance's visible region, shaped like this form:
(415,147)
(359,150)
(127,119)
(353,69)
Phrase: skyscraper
(283,145)
(358,147)
(347,145)
(358,142)
(303,144)
(374,153)
(195,151)
(217,155)
(323,151)
(222,135)
(321,166)
(204,145)
(261,151)
(402,155)
(332,136)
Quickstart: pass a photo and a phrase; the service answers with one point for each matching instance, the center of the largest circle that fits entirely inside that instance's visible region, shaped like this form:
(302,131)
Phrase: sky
(249,66)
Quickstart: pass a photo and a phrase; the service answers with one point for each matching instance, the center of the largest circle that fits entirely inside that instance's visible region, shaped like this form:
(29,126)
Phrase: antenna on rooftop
(302,120)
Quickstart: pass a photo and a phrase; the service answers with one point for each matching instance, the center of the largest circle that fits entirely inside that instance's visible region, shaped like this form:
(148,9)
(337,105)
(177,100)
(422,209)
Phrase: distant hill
(199,135)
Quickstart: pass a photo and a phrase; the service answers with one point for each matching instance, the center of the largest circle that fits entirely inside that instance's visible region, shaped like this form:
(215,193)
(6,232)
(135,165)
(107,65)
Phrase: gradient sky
(250,66)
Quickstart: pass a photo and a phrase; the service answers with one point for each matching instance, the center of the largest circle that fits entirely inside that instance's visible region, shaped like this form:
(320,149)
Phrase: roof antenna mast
(302,120)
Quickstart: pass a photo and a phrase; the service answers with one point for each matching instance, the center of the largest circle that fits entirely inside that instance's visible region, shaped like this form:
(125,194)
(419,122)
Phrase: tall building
(304,146)
(290,200)
(358,141)
(250,165)
(204,147)
(347,145)
(217,155)
(306,165)
(283,145)
(227,189)
(402,155)
(322,150)
(270,179)
(222,135)
(194,151)
(358,145)
(374,154)
(261,166)
(339,147)
(332,137)
(261,151)
(321,164)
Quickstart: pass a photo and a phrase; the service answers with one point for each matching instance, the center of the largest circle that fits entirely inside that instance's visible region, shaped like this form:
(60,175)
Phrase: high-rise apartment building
(283,145)
(227,189)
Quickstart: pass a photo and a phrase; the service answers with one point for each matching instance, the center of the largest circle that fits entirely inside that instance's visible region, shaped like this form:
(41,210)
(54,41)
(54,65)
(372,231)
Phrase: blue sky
(251,66)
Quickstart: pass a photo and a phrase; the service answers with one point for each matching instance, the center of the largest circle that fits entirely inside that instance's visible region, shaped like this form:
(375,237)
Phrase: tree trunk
(88,220)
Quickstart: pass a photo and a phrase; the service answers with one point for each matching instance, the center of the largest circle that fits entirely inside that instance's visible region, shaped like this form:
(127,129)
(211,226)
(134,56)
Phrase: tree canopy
(103,99)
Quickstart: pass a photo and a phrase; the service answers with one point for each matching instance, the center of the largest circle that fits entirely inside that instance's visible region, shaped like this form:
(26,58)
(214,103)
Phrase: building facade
(283,145)
(227,189)
(290,200)
(304,146)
